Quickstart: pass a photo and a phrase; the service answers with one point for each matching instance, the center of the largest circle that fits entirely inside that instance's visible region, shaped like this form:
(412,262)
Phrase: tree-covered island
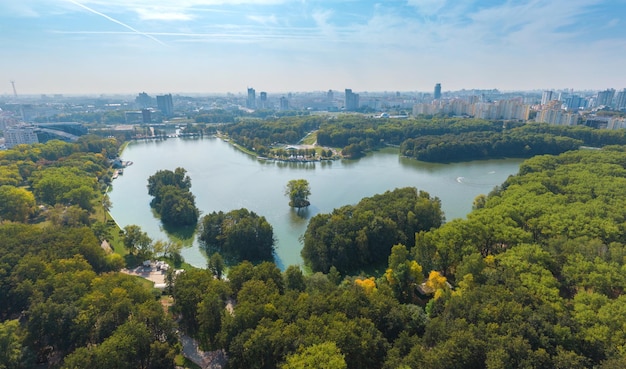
(298,191)
(173,200)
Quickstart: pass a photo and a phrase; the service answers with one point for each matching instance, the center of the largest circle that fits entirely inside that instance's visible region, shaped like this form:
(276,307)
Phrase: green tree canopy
(173,200)
(298,191)
(64,185)
(137,241)
(16,204)
(360,236)
(238,235)
(320,356)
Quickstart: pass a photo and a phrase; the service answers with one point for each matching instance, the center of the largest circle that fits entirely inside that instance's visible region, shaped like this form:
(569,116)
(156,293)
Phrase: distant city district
(34,119)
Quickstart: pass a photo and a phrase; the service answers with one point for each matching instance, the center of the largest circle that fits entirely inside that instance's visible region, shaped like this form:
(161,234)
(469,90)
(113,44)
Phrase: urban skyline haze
(206,46)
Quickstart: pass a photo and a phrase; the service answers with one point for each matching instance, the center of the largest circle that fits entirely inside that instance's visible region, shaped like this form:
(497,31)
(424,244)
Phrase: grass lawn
(310,139)
(180,360)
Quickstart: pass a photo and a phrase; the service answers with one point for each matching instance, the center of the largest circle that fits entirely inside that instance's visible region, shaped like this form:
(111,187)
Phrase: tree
(16,204)
(106,205)
(66,185)
(101,230)
(403,274)
(216,265)
(298,191)
(176,207)
(360,236)
(71,216)
(173,200)
(321,356)
(238,235)
(294,279)
(136,241)
(177,178)
(10,344)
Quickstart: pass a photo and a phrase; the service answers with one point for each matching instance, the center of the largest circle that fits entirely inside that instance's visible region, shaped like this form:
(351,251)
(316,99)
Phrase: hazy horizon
(124,47)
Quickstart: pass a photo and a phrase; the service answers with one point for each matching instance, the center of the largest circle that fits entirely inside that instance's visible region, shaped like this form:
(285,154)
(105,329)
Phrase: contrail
(116,21)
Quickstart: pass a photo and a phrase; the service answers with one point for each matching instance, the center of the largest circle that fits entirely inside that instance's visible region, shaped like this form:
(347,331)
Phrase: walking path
(204,359)
(149,273)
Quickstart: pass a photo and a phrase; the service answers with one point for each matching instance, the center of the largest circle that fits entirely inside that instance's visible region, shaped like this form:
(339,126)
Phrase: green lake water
(224,178)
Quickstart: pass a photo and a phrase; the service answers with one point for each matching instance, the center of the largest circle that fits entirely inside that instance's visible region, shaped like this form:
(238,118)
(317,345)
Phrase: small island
(173,200)
(298,191)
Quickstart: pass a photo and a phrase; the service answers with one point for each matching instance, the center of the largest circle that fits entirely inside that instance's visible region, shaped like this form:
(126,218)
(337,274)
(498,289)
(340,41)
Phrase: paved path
(204,359)
(106,246)
(151,274)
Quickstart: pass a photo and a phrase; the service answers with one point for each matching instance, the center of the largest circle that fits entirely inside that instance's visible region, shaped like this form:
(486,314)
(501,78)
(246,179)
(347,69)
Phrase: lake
(224,178)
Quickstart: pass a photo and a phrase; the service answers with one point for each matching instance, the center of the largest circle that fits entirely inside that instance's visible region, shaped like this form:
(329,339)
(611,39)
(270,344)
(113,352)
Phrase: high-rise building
(437,94)
(251,100)
(146,115)
(573,102)
(284,103)
(20,134)
(263,99)
(330,96)
(605,98)
(546,97)
(144,100)
(165,104)
(352,100)
(620,100)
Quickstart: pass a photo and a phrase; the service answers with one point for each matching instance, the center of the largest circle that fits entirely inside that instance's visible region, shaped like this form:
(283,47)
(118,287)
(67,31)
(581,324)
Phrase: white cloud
(322,22)
(162,14)
(613,23)
(263,19)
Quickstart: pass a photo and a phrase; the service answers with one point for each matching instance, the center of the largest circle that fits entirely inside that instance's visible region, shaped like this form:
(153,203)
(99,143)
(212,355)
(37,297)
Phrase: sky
(218,46)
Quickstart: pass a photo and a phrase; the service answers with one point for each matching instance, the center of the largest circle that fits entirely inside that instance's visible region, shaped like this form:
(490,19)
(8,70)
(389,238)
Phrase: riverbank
(292,158)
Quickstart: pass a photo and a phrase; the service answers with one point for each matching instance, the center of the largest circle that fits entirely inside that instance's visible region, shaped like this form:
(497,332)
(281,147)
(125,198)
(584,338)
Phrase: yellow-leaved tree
(403,274)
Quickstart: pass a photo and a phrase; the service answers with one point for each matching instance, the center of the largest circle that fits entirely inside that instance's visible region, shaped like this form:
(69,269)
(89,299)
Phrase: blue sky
(197,46)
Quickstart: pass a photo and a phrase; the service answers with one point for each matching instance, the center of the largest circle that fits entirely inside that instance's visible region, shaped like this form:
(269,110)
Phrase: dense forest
(352,238)
(532,278)
(62,301)
(173,200)
(259,135)
(237,235)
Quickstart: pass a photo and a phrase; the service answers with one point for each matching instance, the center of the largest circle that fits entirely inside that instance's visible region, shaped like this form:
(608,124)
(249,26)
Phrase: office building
(284,103)
(251,100)
(263,99)
(166,105)
(437,94)
(352,100)
(20,134)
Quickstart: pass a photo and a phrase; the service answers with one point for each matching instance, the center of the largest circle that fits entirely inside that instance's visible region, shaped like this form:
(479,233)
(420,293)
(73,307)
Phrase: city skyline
(218,46)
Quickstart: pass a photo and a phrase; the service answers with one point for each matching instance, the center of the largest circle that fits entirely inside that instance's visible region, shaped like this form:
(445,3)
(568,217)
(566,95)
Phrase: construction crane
(20,105)
(14,90)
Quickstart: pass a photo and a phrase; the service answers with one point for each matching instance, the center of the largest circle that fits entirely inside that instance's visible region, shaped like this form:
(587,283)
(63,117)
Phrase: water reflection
(184,235)
(224,178)
(300,216)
